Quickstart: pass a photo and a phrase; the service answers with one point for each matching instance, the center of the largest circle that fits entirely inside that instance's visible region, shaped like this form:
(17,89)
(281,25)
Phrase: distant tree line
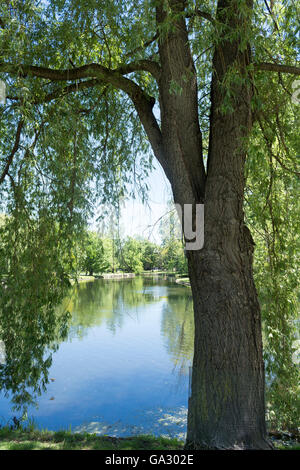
(95,253)
(99,254)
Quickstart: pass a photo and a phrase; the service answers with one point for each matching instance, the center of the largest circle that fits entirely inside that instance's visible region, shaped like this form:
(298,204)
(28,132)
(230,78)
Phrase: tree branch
(206,16)
(277,68)
(141,65)
(14,150)
(93,70)
(272,15)
(141,48)
(69,89)
(63,91)
(97,73)
(201,14)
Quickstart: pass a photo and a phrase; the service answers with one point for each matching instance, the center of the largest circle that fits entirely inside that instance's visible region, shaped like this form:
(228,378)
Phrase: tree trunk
(226,407)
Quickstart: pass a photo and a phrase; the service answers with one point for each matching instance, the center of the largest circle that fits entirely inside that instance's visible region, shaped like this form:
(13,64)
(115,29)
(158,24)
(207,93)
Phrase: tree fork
(226,407)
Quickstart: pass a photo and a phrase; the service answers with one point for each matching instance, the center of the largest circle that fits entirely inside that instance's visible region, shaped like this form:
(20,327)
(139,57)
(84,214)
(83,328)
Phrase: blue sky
(139,219)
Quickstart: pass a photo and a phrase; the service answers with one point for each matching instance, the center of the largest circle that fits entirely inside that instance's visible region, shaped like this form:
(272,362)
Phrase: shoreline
(181,281)
(83,278)
(33,439)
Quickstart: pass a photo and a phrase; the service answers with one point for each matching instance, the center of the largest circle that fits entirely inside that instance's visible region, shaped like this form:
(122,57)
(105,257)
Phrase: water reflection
(109,302)
(27,342)
(178,329)
(117,369)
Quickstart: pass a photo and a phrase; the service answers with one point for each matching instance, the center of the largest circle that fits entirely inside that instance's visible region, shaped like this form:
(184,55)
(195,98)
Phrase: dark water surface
(123,368)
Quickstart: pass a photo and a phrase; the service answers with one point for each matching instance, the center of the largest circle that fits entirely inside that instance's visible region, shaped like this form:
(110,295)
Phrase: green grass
(64,440)
(33,439)
(287,447)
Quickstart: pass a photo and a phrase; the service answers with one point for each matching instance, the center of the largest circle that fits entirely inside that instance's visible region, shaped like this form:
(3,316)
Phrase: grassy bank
(22,439)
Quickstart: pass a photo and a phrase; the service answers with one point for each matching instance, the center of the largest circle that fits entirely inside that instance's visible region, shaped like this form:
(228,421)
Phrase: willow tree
(90,84)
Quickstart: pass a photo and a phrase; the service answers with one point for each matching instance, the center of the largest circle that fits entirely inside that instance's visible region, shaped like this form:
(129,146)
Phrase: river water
(123,368)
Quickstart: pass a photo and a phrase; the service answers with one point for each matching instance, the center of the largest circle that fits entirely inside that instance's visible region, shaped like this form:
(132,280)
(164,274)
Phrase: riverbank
(22,439)
(183,281)
(84,278)
(179,279)
(115,275)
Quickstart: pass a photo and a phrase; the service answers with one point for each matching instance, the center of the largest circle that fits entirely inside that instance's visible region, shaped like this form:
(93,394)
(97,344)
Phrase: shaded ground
(62,440)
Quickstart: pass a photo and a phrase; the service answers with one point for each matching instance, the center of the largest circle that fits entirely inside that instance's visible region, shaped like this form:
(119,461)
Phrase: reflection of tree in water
(35,248)
(178,328)
(28,336)
(30,333)
(111,301)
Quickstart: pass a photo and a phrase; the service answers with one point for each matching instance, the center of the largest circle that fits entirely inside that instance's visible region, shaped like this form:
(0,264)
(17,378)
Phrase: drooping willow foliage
(272,205)
(68,145)
(59,159)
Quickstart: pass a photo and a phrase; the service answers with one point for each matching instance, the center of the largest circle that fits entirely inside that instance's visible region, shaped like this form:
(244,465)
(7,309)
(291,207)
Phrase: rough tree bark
(226,407)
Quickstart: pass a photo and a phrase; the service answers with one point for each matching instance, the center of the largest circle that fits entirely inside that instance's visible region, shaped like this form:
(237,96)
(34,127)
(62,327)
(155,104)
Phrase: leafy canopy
(77,72)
